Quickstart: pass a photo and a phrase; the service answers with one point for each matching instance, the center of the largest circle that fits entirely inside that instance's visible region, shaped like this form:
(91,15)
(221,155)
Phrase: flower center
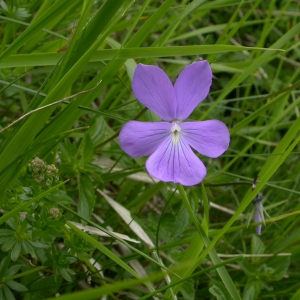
(175,132)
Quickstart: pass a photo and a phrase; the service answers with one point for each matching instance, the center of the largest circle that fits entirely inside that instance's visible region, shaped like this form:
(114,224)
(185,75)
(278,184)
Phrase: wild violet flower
(169,142)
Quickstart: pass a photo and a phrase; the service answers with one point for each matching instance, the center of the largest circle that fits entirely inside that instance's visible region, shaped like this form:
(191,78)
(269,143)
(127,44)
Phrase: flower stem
(5,279)
(212,253)
(191,213)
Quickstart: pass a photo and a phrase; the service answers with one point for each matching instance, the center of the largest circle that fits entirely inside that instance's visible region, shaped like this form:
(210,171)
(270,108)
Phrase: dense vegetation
(80,218)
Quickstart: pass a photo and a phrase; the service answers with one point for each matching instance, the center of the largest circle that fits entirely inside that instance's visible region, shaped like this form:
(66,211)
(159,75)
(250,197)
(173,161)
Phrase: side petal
(210,138)
(192,87)
(142,138)
(153,88)
(176,162)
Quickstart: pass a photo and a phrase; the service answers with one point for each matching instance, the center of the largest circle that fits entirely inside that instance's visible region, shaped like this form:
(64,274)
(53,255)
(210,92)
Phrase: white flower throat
(175,132)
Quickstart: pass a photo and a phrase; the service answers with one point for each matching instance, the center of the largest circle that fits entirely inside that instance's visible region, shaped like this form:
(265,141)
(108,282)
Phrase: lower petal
(142,138)
(210,138)
(176,162)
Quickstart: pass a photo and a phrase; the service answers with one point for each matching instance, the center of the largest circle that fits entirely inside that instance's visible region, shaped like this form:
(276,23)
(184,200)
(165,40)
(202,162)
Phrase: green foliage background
(180,243)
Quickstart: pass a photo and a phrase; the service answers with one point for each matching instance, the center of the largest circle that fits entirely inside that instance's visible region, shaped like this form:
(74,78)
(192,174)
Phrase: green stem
(212,253)
(5,279)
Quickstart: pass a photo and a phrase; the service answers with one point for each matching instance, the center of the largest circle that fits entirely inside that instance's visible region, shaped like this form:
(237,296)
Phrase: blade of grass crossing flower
(228,283)
(50,59)
(106,252)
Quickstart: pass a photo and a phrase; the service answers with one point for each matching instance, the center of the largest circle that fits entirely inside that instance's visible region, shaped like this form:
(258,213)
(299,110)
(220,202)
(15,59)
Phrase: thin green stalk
(212,253)
(5,279)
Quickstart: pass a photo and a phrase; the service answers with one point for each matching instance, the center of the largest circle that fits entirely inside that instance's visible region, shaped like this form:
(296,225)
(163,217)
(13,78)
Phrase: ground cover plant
(81,215)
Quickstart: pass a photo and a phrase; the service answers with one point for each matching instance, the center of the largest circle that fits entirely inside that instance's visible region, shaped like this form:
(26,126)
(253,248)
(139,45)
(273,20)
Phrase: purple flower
(169,142)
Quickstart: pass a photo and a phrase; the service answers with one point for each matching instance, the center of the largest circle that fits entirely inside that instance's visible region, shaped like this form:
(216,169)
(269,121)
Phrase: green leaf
(6,232)
(4,266)
(252,289)
(97,130)
(37,244)
(27,248)
(279,267)
(8,294)
(15,253)
(296,295)
(16,286)
(219,292)
(86,196)
(188,289)
(86,150)
(65,274)
(257,247)
(13,270)
(2,294)
(9,243)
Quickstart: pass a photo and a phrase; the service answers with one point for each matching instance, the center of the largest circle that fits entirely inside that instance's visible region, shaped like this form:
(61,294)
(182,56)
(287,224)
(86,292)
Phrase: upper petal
(210,138)
(153,88)
(192,87)
(142,138)
(176,162)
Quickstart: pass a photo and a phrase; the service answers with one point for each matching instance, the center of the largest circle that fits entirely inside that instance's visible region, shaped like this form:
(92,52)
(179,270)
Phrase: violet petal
(192,87)
(176,162)
(210,138)
(142,138)
(153,88)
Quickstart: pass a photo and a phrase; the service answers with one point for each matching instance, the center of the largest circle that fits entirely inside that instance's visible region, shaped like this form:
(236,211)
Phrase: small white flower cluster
(54,213)
(43,173)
